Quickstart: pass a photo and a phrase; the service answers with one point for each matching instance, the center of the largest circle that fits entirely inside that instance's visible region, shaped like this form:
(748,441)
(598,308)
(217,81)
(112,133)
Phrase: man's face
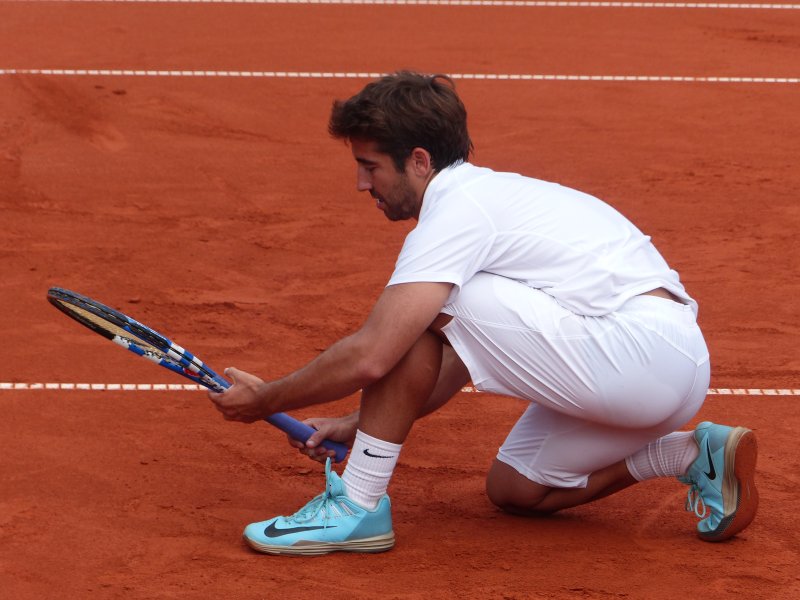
(394,192)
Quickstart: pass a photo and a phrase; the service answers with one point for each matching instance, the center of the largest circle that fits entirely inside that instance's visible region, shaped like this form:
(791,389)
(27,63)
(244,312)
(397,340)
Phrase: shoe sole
(738,486)
(380,543)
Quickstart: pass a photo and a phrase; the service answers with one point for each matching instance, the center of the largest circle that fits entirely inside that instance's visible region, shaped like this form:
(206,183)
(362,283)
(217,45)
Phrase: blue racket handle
(296,429)
(300,431)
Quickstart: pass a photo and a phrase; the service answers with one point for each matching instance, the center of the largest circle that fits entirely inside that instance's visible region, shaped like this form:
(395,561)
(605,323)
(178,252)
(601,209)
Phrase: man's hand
(341,429)
(244,400)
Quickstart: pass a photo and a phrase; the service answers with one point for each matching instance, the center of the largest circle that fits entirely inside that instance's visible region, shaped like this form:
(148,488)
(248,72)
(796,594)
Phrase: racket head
(148,343)
(134,336)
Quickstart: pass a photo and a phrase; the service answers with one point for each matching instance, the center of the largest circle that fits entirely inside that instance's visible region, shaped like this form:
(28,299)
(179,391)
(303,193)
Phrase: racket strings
(135,337)
(106,324)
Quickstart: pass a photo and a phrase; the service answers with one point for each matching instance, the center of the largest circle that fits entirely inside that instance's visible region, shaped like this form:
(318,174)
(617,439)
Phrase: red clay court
(171,159)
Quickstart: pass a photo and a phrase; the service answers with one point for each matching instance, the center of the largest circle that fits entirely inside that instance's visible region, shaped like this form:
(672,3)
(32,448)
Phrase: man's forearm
(338,372)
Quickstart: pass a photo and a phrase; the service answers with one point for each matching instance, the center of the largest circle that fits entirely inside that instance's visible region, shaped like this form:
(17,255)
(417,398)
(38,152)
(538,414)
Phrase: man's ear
(420,163)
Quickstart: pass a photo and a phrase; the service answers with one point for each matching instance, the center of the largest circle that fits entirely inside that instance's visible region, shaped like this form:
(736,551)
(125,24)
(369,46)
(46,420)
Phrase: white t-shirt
(569,244)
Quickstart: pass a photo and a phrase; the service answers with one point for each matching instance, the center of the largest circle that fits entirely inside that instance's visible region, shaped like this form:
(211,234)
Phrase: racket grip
(296,429)
(300,431)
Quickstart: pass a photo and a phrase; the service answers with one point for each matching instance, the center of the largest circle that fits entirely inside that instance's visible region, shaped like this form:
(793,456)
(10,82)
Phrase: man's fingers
(315,440)
(232,373)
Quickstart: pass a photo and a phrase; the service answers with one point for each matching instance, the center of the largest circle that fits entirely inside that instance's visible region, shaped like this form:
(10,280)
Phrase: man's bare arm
(400,316)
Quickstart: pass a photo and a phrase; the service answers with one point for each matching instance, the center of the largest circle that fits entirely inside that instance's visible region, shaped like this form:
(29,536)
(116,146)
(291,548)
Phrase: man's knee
(513,493)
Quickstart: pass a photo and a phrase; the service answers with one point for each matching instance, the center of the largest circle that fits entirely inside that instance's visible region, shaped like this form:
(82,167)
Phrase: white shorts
(601,387)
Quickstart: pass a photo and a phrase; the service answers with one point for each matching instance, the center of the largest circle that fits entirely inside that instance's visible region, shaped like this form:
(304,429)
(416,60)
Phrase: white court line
(477,3)
(103,387)
(349,75)
(172,387)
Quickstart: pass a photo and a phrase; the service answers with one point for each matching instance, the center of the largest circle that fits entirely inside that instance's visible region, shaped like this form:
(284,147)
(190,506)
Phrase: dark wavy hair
(403,111)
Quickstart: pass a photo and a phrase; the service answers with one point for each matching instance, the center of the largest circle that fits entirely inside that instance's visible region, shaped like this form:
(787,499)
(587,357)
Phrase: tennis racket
(147,343)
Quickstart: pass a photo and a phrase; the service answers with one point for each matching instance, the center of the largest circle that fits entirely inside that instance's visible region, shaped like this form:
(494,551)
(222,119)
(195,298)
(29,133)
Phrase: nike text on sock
(369,469)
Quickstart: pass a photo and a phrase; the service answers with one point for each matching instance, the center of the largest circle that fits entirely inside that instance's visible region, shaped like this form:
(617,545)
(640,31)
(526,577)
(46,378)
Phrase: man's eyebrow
(365,161)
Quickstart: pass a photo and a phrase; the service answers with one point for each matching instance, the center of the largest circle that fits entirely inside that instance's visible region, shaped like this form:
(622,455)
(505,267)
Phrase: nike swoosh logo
(274,532)
(712,472)
(368,453)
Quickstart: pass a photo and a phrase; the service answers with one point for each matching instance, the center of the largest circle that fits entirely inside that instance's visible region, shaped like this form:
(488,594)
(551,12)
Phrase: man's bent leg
(517,494)
(551,461)
(390,405)
(354,513)
(389,408)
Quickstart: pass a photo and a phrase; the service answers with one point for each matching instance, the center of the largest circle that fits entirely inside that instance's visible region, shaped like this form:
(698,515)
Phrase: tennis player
(527,288)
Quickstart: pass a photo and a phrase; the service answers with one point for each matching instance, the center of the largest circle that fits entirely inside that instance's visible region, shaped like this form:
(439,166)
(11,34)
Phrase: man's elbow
(369,365)
(371,369)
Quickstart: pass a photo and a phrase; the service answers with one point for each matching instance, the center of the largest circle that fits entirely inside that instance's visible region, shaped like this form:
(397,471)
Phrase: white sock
(369,469)
(669,456)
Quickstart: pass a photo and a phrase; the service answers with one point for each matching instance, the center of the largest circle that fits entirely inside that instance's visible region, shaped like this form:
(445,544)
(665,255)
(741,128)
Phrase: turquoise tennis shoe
(722,490)
(328,523)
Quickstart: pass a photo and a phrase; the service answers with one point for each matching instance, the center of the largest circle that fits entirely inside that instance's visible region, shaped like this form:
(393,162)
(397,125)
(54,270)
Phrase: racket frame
(167,354)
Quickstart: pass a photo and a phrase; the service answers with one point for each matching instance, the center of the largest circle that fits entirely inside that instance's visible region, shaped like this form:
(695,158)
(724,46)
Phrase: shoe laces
(317,505)
(694,501)
(324,504)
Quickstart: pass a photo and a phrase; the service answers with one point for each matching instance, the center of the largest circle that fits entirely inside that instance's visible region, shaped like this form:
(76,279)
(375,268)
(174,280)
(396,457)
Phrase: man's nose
(364,185)
(363,181)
